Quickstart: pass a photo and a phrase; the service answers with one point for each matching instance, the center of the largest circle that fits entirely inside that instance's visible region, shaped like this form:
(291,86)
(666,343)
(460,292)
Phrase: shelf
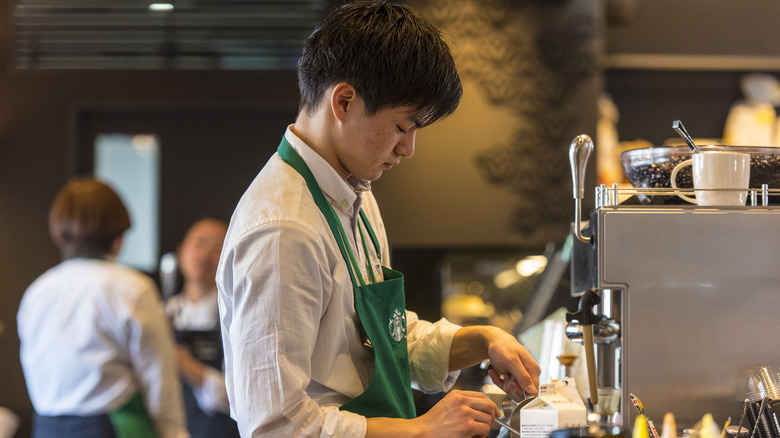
(624,61)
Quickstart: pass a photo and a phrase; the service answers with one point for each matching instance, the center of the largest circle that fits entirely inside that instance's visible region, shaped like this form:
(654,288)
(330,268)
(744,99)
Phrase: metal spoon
(505,425)
(680,129)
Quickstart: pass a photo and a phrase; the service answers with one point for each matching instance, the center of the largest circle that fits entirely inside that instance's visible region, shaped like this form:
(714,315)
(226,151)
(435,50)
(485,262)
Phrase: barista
(195,319)
(317,338)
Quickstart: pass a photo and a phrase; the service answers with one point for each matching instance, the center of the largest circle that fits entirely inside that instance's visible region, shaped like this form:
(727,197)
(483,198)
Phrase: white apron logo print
(397,325)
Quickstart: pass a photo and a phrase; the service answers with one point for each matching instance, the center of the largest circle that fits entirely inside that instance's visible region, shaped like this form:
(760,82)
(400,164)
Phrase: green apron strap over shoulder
(369,268)
(371,233)
(289,156)
(381,307)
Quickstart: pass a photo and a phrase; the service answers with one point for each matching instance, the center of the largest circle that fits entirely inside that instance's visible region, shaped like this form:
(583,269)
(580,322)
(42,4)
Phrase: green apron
(380,307)
(132,420)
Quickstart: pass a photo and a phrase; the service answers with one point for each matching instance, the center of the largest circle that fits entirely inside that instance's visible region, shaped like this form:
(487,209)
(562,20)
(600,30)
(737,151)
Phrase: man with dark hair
(317,338)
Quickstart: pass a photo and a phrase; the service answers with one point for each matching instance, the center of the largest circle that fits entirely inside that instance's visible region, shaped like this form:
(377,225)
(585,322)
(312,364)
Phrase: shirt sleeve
(277,282)
(152,354)
(429,353)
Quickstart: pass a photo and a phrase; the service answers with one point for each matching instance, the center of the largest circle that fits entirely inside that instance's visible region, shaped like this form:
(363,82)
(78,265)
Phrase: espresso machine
(678,302)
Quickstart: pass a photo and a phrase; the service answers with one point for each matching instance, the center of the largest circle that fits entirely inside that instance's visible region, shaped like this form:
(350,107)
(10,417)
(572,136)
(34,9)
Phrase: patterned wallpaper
(540,61)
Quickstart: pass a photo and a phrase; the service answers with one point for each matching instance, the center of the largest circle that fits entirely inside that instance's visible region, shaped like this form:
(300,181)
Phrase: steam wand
(586,318)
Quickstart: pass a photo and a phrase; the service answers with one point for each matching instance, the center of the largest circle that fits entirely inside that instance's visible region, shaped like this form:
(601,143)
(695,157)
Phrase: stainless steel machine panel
(700,294)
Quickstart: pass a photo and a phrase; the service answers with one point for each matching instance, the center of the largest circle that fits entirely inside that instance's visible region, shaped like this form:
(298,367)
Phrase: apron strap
(291,157)
(371,233)
(369,269)
(367,225)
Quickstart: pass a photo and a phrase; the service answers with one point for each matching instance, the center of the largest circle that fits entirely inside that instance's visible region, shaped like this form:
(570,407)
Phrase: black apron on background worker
(205,346)
(381,309)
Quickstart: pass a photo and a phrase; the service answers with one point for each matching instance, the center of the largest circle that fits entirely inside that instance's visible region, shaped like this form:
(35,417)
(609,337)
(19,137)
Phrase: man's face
(373,144)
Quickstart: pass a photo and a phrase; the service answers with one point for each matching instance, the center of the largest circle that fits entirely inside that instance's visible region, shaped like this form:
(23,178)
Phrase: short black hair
(388,52)
(86,218)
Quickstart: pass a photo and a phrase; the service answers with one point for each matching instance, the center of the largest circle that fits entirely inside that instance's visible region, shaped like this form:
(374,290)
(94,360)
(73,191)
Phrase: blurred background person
(96,350)
(195,318)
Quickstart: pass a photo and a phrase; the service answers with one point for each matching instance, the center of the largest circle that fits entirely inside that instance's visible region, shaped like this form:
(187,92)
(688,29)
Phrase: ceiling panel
(191,34)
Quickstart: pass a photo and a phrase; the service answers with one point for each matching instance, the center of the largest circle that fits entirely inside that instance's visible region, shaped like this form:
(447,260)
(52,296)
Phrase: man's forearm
(469,346)
(391,428)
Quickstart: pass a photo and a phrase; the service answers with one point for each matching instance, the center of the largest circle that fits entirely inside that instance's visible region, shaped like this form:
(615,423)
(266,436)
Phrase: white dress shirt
(202,315)
(93,334)
(293,353)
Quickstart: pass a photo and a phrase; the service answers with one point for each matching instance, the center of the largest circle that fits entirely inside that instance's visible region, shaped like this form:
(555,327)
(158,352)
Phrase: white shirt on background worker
(93,334)
(293,353)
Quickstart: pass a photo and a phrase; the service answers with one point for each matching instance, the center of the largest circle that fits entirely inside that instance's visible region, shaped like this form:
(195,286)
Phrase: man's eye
(401,130)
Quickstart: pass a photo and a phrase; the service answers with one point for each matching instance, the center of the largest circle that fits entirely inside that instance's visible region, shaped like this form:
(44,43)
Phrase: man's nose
(405,147)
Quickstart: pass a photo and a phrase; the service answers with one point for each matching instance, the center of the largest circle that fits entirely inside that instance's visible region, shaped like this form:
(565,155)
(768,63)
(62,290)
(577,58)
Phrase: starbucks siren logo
(397,325)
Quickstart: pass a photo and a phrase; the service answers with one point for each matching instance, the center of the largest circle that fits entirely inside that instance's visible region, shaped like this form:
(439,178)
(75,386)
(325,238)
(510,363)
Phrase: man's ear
(341,100)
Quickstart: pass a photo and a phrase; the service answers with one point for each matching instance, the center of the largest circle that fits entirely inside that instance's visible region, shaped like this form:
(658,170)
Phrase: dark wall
(209,154)
(649,100)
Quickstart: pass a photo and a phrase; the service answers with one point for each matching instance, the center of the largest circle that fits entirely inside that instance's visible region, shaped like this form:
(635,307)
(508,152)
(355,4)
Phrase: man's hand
(465,413)
(460,414)
(515,370)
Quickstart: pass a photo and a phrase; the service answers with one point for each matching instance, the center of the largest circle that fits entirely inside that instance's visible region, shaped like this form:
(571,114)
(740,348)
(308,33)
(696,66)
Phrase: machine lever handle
(579,153)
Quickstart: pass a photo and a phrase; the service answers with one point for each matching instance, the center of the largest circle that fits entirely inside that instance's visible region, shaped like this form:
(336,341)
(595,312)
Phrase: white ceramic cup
(728,172)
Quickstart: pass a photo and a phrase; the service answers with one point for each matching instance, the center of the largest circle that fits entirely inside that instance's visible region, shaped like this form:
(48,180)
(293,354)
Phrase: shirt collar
(342,194)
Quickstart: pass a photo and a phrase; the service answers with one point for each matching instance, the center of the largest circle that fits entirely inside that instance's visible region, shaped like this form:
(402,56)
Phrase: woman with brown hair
(96,349)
